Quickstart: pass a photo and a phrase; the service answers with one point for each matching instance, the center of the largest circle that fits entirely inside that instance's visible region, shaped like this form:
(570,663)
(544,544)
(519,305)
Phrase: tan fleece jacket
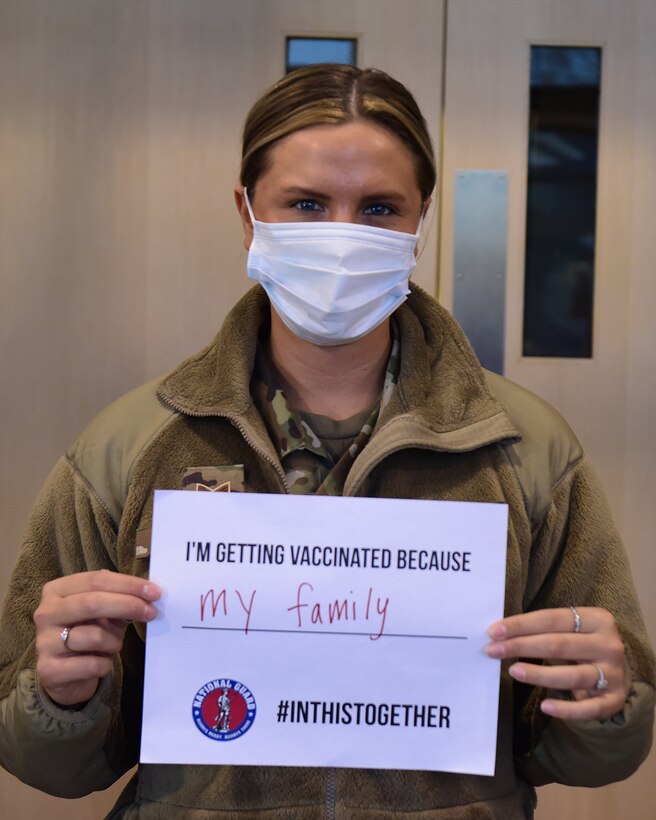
(450,432)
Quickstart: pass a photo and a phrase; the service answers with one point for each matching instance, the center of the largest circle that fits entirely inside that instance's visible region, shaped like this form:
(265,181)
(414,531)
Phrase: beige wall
(118,148)
(120,249)
(119,253)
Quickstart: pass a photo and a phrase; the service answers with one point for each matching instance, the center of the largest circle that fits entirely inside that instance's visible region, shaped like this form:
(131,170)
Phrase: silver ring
(602,680)
(577,619)
(64,638)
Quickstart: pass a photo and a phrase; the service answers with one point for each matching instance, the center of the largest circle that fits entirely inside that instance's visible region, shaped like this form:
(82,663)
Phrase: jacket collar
(442,400)
(216,381)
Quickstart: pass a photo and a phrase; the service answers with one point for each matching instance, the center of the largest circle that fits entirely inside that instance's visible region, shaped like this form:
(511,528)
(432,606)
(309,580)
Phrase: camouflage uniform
(310,465)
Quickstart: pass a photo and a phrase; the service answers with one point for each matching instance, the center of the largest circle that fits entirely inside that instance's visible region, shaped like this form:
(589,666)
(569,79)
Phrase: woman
(330,379)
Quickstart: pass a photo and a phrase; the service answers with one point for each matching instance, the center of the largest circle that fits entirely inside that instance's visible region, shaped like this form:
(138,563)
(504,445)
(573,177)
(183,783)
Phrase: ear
(246,224)
(426,206)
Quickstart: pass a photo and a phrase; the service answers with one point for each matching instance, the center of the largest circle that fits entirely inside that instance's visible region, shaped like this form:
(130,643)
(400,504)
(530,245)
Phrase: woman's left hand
(589,662)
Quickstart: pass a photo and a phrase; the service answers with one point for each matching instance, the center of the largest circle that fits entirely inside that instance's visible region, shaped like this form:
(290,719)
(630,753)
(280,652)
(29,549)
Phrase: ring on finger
(64,635)
(602,680)
(577,619)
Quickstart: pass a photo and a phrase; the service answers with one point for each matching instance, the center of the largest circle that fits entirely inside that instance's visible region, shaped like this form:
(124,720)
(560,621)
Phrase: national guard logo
(223,709)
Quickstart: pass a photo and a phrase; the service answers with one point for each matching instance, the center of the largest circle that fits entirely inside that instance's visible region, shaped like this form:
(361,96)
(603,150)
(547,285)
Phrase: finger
(102,581)
(56,672)
(551,646)
(91,606)
(560,619)
(596,708)
(569,677)
(104,637)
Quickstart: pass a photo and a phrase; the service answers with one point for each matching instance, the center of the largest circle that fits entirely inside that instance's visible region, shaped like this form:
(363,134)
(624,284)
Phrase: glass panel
(560,210)
(303,51)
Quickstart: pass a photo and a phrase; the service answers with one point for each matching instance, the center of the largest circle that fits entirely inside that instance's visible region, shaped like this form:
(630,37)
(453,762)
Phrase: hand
(96,607)
(573,659)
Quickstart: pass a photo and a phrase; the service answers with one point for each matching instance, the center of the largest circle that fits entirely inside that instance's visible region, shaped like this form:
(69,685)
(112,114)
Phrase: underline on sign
(328,632)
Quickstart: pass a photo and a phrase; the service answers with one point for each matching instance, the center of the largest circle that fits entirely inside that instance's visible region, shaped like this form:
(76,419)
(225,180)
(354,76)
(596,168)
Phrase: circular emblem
(223,709)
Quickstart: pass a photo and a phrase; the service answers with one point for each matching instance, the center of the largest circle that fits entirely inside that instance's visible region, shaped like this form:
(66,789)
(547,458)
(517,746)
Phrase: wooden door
(610,398)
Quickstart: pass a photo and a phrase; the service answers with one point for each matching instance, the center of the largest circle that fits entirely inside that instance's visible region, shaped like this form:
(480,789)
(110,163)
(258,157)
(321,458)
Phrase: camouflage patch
(225,479)
(304,472)
(314,440)
(279,408)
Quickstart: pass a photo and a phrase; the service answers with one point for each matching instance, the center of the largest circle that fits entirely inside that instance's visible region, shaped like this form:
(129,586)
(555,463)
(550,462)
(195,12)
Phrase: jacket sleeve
(64,752)
(578,559)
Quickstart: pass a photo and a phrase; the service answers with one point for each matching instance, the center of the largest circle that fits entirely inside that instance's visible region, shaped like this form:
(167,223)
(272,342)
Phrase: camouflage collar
(286,427)
(308,465)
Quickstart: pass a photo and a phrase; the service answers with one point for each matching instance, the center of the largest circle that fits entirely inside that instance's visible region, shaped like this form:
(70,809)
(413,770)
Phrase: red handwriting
(339,609)
(217,598)
(219,603)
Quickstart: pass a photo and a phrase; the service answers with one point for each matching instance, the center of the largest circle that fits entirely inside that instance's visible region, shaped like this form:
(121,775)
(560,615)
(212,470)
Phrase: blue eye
(378,210)
(307,205)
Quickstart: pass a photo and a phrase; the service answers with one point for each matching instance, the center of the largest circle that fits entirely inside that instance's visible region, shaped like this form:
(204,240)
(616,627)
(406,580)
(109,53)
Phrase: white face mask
(331,282)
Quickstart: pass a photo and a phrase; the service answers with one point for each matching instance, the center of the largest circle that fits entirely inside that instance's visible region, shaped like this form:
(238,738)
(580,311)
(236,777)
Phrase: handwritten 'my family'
(307,610)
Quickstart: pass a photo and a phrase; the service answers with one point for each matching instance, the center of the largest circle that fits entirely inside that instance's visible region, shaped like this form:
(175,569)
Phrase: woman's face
(357,172)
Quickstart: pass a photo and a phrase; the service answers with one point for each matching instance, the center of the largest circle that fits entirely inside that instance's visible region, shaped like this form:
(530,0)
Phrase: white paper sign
(324,631)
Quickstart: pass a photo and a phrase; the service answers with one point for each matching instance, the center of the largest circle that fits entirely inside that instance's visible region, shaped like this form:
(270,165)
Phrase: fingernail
(495,650)
(149,613)
(497,631)
(150,591)
(516,671)
(548,707)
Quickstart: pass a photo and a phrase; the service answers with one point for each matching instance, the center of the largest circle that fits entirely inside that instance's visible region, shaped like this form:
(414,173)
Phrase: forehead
(359,152)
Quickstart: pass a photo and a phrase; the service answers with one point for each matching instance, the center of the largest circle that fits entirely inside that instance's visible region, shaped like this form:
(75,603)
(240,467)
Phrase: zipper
(246,436)
(261,452)
(331,793)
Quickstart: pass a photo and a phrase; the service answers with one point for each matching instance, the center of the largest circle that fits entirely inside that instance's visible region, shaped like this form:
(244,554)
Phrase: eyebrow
(385,195)
(298,190)
(308,192)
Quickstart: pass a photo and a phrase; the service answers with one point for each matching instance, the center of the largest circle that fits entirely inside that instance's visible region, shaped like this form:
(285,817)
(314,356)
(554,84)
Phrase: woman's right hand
(96,607)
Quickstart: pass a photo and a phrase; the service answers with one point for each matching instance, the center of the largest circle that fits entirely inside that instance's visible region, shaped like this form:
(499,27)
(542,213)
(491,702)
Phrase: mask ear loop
(420,226)
(425,209)
(248,205)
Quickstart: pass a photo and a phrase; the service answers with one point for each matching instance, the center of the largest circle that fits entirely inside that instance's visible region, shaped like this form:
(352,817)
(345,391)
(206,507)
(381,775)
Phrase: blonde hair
(333,94)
